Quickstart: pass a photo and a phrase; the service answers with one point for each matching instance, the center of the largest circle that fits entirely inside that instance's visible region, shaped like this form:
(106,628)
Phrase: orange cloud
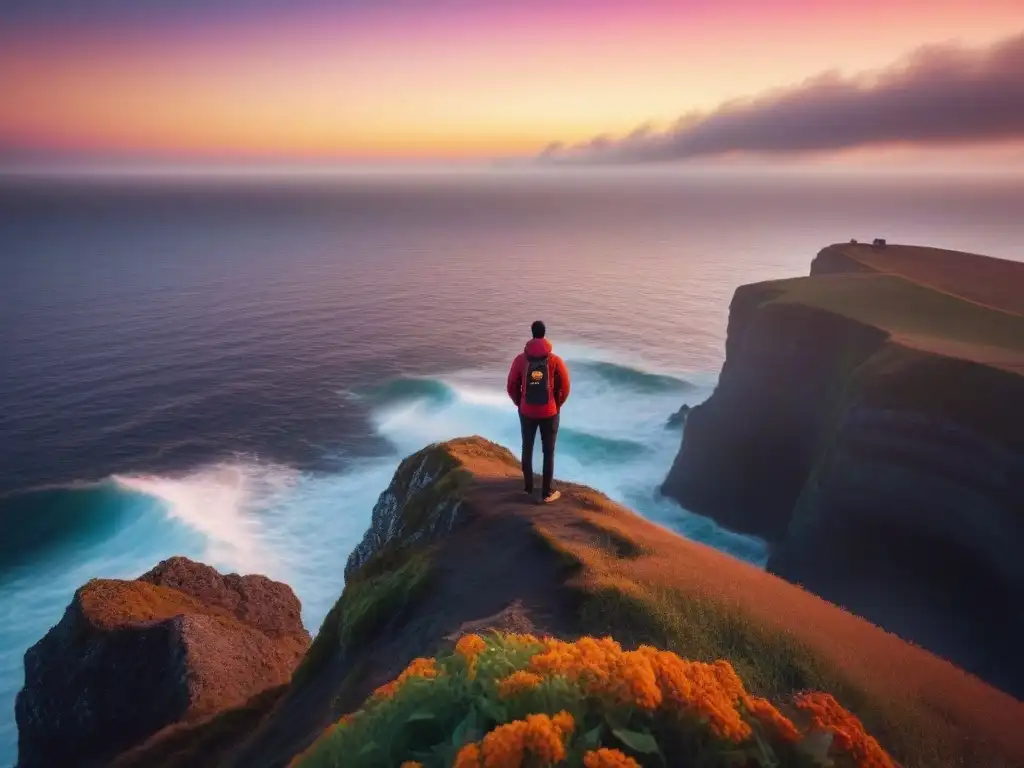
(941,94)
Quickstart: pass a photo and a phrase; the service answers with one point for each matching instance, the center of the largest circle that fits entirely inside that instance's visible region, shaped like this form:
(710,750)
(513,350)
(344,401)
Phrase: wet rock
(678,419)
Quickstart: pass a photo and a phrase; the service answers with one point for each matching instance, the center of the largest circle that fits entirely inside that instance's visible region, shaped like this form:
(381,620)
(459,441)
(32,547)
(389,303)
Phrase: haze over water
(231,369)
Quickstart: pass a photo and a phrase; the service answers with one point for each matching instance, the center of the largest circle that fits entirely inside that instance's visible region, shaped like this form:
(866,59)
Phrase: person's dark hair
(537,329)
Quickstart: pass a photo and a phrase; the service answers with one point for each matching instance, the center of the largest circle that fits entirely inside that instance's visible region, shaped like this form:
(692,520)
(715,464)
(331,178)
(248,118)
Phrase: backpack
(537,387)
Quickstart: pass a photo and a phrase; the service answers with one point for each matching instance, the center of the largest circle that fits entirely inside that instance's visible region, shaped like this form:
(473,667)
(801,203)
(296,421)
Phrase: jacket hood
(538,348)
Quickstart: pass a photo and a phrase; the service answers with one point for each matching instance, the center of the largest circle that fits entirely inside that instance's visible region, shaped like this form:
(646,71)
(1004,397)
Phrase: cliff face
(886,468)
(129,658)
(782,378)
(836,261)
(914,514)
(422,501)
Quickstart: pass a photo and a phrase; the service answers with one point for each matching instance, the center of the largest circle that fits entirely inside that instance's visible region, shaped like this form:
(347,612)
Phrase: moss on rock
(367,602)
(424,499)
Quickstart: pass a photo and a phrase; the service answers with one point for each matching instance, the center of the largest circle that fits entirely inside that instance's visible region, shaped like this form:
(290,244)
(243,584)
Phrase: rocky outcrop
(450,549)
(424,498)
(129,658)
(678,419)
(863,434)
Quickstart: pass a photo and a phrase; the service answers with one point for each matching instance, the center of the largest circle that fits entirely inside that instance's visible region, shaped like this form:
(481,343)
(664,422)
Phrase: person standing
(538,383)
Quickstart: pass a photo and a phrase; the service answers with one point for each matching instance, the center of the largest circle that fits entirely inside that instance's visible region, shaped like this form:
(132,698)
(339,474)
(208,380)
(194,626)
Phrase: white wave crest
(475,395)
(224,503)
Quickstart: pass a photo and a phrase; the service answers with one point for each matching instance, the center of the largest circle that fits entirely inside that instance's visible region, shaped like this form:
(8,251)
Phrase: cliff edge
(455,547)
(869,423)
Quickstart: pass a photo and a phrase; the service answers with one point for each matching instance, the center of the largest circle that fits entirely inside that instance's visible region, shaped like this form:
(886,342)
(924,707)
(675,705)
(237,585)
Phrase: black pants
(548,433)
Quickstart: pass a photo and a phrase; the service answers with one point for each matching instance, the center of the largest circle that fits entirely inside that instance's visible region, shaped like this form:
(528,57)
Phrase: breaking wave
(633,378)
(404,389)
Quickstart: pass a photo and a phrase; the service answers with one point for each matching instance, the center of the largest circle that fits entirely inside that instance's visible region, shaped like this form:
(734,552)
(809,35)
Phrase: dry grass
(910,312)
(993,282)
(109,604)
(705,605)
(959,305)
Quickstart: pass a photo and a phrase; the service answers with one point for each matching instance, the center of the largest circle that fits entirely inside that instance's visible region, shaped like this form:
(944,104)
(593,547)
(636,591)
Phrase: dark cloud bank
(940,94)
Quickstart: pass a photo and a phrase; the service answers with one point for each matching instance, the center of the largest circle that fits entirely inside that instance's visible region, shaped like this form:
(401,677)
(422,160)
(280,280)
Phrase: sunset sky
(387,80)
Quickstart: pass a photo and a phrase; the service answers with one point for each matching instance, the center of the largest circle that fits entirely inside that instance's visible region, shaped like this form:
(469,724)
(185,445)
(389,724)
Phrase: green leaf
(467,730)
(592,738)
(368,748)
(616,719)
(416,717)
(765,754)
(492,710)
(643,743)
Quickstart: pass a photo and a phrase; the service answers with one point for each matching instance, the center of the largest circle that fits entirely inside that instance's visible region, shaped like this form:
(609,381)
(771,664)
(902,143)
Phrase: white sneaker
(553,496)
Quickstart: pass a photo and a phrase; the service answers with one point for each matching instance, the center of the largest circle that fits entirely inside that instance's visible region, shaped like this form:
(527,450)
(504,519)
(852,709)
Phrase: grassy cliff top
(586,565)
(991,282)
(913,314)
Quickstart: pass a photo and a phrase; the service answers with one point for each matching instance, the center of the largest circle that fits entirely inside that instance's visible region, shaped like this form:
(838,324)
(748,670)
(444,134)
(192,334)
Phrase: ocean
(231,367)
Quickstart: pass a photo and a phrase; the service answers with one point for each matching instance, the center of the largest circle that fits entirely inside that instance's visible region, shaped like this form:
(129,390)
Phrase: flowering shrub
(511,701)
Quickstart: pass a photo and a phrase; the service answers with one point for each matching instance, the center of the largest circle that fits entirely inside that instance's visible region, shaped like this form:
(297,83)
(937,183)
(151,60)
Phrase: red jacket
(559,380)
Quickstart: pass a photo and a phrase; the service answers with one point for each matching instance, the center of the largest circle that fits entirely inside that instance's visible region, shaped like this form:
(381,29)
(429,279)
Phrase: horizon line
(320,169)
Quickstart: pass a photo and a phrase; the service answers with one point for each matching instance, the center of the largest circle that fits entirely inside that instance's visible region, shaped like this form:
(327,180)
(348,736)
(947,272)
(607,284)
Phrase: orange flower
(707,691)
(848,732)
(468,757)
(608,758)
(539,736)
(765,712)
(420,668)
(417,668)
(564,722)
(469,646)
(603,668)
(518,682)
(544,738)
(505,746)
(647,678)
